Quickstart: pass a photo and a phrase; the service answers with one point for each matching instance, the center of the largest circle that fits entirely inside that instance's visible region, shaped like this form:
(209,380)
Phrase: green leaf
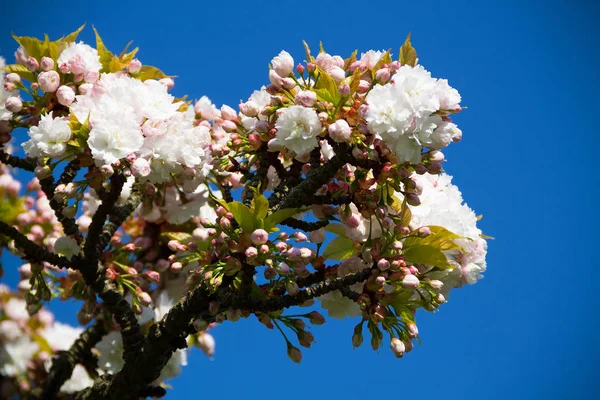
(242,215)
(148,72)
(182,237)
(43,344)
(348,61)
(325,81)
(71,37)
(309,58)
(428,255)
(408,55)
(259,207)
(321,49)
(20,70)
(355,80)
(440,238)
(405,214)
(279,216)
(339,248)
(106,56)
(385,59)
(338,229)
(33,46)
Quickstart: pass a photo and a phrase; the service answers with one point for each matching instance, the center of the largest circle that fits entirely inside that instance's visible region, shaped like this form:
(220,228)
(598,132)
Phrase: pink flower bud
(337,73)
(288,83)
(49,81)
(47,63)
(275,79)
(144,298)
(317,236)
(340,131)
(294,354)
(259,236)
(292,287)
(397,347)
(9,86)
(206,343)
(85,88)
(251,252)
(134,66)
(228,113)
(412,199)
(424,231)
(14,104)
(229,126)
(65,95)
(300,69)
(299,237)
(176,266)
(436,284)
(410,282)
(306,98)
(412,329)
(250,108)
(344,90)
(107,170)
(316,318)
(168,82)
(383,264)
(363,86)
(140,168)
(153,276)
(382,75)
(283,64)
(129,247)
(436,155)
(12,77)
(32,64)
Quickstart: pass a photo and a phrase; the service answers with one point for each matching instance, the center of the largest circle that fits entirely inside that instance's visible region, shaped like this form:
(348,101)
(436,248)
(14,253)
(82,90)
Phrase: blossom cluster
(326,188)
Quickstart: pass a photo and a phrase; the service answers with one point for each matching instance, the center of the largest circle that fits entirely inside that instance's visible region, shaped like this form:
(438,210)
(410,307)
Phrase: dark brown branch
(304,225)
(28,164)
(167,335)
(32,251)
(65,361)
(48,187)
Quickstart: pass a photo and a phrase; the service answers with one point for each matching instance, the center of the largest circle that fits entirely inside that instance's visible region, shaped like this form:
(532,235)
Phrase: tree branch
(65,361)
(28,164)
(32,251)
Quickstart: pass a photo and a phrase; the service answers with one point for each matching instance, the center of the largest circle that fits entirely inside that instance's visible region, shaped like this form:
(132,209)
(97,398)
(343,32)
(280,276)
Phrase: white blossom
(49,138)
(298,128)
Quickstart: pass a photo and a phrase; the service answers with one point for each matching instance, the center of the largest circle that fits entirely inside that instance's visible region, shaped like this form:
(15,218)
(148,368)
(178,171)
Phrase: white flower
(111,357)
(16,309)
(206,109)
(79,380)
(283,64)
(114,138)
(49,138)
(366,228)
(449,97)
(110,347)
(197,206)
(400,112)
(66,246)
(443,135)
(5,115)
(298,128)
(61,336)
(371,58)
(261,98)
(339,306)
(14,356)
(442,205)
(79,58)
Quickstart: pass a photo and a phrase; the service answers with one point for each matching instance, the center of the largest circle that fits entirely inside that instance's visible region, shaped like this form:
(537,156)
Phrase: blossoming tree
(165,217)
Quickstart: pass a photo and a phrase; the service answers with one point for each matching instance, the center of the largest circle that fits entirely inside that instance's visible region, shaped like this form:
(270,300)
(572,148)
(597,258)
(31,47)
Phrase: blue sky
(527,72)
